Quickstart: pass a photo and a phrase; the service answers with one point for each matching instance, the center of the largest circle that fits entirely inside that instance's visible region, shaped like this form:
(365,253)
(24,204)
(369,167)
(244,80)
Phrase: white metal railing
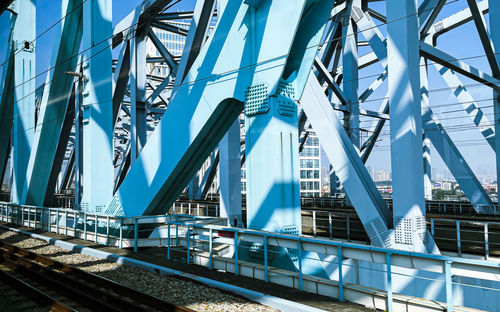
(197,235)
(458,229)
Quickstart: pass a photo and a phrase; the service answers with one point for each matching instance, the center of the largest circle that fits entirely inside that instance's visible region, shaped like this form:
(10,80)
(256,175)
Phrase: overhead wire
(236,70)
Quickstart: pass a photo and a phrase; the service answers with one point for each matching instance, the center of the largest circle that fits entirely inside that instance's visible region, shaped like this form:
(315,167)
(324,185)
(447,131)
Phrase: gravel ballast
(175,290)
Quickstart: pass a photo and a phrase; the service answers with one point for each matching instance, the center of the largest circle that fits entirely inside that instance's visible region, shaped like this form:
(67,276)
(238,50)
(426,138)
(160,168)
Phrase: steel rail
(33,293)
(83,287)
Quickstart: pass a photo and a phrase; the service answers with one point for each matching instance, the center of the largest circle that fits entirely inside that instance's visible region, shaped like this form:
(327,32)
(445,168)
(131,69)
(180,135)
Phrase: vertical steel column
(6,101)
(272,166)
(138,126)
(236,269)
(299,256)
(494,12)
(424,83)
(486,245)
(406,125)
(78,143)
(168,241)
(350,72)
(341,277)
(448,285)
(389,282)
(24,94)
(230,175)
(97,106)
(210,249)
(136,234)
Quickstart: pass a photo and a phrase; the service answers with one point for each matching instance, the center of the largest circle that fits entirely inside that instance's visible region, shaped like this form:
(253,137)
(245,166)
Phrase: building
(382,176)
(310,167)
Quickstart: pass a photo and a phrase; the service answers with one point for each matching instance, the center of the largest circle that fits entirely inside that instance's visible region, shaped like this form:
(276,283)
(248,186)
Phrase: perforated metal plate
(256,99)
(286,102)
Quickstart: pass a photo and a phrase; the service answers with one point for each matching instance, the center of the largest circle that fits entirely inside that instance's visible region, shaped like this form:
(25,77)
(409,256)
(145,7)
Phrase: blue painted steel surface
(24,94)
(54,103)
(495,41)
(230,176)
(406,129)
(211,97)
(97,143)
(7,102)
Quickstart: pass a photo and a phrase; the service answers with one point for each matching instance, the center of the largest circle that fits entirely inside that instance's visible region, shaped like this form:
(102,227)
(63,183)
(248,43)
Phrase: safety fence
(280,257)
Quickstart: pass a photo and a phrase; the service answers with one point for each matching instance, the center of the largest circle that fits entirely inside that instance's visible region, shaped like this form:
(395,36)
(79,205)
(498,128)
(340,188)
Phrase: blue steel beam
(143,12)
(121,78)
(211,98)
(54,103)
(406,127)
(97,142)
(230,176)
(438,56)
(350,72)
(464,175)
(24,94)
(484,36)
(7,103)
(461,92)
(371,208)
(196,37)
(138,125)
(495,36)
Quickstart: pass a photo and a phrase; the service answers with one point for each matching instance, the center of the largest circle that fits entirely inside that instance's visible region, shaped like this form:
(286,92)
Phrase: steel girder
(24,93)
(495,38)
(7,102)
(206,105)
(230,175)
(54,104)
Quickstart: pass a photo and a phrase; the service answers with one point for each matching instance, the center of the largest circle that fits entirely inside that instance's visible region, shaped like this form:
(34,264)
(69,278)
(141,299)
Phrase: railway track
(55,286)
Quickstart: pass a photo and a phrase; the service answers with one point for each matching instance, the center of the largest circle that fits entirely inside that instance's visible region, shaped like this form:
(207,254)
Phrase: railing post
(266,272)
(314,223)
(22,215)
(198,209)
(107,230)
(66,222)
(459,245)
(75,222)
(176,235)
(96,221)
(136,234)
(486,245)
(168,241)
(182,208)
(330,225)
(210,250)
(236,253)
(206,210)
(217,212)
(432,227)
(448,286)
(341,277)
(299,252)
(29,217)
(348,227)
(389,282)
(121,232)
(188,245)
(85,226)
(49,221)
(189,208)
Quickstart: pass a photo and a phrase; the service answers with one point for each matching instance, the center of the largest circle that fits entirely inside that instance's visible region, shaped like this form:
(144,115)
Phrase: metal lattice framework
(131,140)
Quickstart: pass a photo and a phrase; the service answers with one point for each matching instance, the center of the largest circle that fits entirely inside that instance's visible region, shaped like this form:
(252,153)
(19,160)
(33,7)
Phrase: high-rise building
(310,167)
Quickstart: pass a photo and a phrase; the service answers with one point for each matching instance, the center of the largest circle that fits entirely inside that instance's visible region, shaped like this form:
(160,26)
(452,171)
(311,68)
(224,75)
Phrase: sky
(461,43)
